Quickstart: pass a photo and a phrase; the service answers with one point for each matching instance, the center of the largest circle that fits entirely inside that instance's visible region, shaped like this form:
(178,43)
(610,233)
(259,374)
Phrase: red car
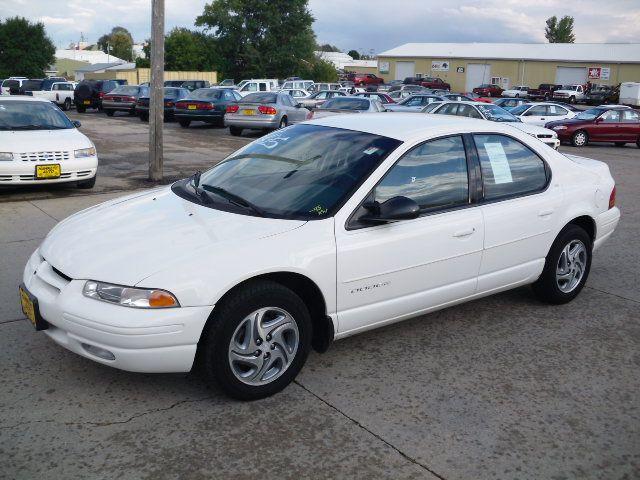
(619,125)
(488,90)
(362,79)
(477,98)
(435,83)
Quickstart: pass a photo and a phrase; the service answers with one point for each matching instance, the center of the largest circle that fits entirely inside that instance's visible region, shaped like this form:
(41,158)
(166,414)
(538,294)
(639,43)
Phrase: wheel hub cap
(571,266)
(263,346)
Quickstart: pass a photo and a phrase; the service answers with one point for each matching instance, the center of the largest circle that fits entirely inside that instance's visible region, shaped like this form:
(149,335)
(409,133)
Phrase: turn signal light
(232,108)
(160,299)
(612,198)
(267,110)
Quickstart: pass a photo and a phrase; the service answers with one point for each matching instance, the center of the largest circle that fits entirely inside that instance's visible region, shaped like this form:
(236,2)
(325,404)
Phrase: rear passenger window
(433,174)
(508,167)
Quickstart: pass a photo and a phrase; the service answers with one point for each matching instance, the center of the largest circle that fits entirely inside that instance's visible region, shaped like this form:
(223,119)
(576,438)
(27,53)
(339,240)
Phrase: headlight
(85,152)
(129,296)
(6,156)
(560,127)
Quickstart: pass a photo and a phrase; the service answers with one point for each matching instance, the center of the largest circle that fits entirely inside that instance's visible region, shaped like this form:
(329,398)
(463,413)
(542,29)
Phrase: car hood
(532,129)
(566,92)
(125,240)
(568,122)
(43,140)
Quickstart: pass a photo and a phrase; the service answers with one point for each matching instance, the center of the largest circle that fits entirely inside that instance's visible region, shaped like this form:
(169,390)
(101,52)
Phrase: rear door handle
(545,213)
(464,233)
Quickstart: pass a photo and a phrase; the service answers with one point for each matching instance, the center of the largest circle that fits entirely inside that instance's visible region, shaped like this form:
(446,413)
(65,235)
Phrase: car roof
(26,98)
(407,126)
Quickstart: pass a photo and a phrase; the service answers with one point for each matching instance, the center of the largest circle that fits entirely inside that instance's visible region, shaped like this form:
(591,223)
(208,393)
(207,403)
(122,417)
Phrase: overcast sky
(375,25)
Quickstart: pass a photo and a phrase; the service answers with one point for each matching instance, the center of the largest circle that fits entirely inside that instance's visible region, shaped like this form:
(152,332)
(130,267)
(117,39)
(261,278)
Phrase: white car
(541,113)
(296,93)
(60,93)
(519,91)
(313,233)
(570,93)
(39,145)
(494,113)
(11,82)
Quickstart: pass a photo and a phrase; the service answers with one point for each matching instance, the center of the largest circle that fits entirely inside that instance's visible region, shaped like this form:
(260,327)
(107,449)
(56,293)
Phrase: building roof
(98,66)
(361,63)
(566,52)
(91,56)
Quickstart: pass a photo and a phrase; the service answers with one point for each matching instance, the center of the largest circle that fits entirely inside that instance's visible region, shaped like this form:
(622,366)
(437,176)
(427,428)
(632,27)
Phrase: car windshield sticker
(371,150)
(319,209)
(499,163)
(552,108)
(273,140)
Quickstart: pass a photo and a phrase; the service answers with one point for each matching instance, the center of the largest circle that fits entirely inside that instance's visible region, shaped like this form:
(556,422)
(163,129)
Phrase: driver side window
(433,174)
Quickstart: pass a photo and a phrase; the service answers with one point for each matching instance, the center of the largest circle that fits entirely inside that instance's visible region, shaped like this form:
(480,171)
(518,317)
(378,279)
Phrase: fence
(142,75)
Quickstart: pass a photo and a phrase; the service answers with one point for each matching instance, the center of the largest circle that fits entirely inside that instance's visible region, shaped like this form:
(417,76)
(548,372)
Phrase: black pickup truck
(543,92)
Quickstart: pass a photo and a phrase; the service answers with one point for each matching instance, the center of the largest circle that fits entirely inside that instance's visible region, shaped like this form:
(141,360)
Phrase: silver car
(318,98)
(414,103)
(264,111)
(348,105)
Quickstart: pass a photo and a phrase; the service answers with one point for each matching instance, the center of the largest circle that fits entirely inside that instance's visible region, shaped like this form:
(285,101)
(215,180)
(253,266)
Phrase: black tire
(572,99)
(144,117)
(109,113)
(580,138)
(235,131)
(66,106)
(88,183)
(80,109)
(620,144)
(546,97)
(546,287)
(184,123)
(638,143)
(213,348)
(283,123)
(132,112)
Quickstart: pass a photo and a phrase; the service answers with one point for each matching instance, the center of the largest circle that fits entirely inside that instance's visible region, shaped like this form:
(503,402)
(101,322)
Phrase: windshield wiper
(235,199)
(35,127)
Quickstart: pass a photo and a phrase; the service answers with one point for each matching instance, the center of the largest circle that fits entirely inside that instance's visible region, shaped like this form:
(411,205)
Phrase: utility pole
(156,98)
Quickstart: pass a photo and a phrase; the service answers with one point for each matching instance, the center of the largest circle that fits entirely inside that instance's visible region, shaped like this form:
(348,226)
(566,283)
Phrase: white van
(258,85)
(630,93)
(301,84)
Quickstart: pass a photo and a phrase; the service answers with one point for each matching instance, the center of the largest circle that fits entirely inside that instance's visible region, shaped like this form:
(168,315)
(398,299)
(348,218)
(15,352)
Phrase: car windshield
(347,104)
(590,114)
(259,98)
(205,94)
(32,85)
(302,172)
(519,110)
(173,92)
(496,113)
(431,107)
(26,115)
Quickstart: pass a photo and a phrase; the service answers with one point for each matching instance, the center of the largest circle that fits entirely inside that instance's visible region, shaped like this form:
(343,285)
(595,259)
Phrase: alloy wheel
(580,139)
(263,346)
(571,266)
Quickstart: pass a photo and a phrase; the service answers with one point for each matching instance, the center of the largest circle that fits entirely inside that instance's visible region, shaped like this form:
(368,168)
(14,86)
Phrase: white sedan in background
(519,91)
(313,233)
(541,113)
(40,145)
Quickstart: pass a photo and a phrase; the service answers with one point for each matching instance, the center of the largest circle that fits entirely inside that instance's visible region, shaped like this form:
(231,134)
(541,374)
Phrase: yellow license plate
(191,107)
(87,102)
(248,112)
(27,306)
(48,171)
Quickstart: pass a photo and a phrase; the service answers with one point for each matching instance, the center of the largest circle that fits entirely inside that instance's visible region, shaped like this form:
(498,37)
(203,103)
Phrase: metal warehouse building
(467,65)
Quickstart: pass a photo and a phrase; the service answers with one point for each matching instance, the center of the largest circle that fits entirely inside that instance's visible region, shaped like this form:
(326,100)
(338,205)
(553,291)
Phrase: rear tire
(109,113)
(88,183)
(552,286)
(80,109)
(225,343)
(235,131)
(572,100)
(620,144)
(580,138)
(66,106)
(184,123)
(144,117)
(283,123)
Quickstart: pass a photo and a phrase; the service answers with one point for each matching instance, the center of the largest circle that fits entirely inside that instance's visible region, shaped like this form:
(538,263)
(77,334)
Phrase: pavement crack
(356,422)
(46,213)
(612,294)
(2,322)
(107,424)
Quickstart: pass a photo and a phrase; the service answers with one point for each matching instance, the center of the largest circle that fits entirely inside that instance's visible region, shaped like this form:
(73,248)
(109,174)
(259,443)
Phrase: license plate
(29,305)
(87,102)
(191,107)
(48,171)
(248,112)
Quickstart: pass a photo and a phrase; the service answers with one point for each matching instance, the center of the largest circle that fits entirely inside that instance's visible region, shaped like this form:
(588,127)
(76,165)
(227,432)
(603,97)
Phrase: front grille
(544,135)
(53,156)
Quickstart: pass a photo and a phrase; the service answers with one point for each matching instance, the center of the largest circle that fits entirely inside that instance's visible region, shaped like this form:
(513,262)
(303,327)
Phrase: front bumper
(256,122)
(17,172)
(141,340)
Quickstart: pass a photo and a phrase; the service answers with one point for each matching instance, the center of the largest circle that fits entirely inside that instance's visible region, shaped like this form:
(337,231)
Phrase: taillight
(168,104)
(101,94)
(267,110)
(612,198)
(129,99)
(206,106)
(232,108)
(181,105)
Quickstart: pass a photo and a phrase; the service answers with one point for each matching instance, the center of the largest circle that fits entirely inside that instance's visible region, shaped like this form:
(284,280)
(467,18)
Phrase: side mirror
(599,120)
(76,123)
(393,210)
(297,105)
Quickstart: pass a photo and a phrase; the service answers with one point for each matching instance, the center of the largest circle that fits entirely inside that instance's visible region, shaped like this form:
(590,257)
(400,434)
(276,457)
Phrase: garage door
(477,74)
(405,69)
(571,75)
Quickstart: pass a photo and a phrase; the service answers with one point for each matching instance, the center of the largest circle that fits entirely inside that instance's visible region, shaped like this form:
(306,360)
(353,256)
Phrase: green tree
(559,31)
(321,71)
(354,54)
(15,58)
(118,43)
(260,38)
(190,50)
(328,48)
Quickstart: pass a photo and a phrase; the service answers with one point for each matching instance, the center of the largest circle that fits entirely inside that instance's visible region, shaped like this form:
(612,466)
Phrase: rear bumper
(257,122)
(209,116)
(23,173)
(118,106)
(606,224)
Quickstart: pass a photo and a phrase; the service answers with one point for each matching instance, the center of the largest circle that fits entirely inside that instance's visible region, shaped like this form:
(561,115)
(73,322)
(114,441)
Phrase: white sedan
(519,91)
(313,233)
(541,113)
(40,145)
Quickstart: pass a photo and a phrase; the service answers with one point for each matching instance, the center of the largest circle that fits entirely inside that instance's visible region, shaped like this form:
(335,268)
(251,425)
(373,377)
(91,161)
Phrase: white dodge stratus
(313,233)
(39,145)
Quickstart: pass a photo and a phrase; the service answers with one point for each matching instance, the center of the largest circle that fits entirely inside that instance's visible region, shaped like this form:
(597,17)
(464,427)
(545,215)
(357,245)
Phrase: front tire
(66,106)
(572,100)
(580,138)
(566,267)
(620,144)
(235,131)
(256,340)
(109,113)
(184,123)
(88,183)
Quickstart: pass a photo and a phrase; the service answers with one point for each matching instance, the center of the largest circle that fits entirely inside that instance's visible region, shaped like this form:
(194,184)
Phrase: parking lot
(503,387)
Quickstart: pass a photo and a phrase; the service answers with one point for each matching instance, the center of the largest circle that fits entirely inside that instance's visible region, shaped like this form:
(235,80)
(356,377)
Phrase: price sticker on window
(499,163)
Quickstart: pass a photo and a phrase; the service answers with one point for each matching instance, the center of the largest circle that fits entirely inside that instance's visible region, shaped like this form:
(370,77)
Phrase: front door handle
(464,233)
(545,213)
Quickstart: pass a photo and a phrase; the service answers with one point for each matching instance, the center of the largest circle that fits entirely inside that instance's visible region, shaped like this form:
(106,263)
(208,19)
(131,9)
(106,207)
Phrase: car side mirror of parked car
(76,123)
(392,210)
